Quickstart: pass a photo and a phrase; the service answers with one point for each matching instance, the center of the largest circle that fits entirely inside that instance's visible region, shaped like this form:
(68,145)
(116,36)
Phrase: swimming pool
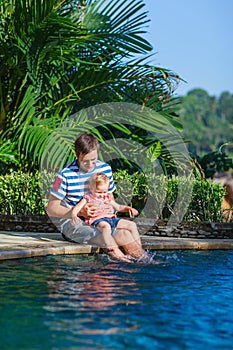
(89,302)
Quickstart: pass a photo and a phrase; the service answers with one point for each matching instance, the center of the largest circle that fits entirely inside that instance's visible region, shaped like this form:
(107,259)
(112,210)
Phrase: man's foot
(147,258)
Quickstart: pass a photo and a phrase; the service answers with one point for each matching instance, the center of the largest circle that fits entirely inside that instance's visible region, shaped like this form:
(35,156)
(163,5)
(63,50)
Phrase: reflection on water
(95,289)
(90,302)
(98,289)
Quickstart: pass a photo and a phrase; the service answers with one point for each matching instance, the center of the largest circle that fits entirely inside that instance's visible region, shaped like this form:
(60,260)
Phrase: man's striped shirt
(71,183)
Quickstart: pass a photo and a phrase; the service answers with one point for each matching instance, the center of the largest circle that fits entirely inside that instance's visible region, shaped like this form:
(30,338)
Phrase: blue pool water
(89,302)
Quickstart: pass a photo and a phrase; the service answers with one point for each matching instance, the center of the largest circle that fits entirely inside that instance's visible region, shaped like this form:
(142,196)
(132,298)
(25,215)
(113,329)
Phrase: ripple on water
(70,302)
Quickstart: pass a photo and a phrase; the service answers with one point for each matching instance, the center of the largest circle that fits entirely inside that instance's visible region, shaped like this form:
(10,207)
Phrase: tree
(225,107)
(203,123)
(58,57)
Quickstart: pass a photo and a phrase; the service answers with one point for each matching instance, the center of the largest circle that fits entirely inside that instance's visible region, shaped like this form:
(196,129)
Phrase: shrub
(24,194)
(168,196)
(206,202)
(154,196)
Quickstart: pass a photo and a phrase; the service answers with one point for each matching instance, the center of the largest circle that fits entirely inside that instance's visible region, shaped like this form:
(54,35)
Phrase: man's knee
(132,225)
(123,236)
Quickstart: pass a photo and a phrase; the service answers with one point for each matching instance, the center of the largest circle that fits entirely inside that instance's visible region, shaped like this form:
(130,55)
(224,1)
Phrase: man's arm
(54,208)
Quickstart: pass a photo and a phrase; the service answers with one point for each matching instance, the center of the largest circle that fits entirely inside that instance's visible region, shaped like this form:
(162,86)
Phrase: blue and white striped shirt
(71,183)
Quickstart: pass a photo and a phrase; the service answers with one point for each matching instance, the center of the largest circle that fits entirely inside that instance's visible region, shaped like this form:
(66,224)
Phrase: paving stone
(14,245)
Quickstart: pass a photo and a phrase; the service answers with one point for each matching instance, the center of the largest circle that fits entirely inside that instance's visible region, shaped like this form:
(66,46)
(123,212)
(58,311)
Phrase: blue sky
(193,38)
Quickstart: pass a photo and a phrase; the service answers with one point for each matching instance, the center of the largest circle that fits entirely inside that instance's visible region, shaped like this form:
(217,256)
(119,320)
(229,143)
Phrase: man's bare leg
(132,228)
(130,242)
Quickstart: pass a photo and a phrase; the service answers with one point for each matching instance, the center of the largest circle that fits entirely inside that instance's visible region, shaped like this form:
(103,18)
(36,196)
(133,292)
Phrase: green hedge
(24,194)
(168,196)
(156,197)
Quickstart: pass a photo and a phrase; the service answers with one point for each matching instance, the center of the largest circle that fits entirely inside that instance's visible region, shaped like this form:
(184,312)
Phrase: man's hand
(55,208)
(88,211)
(74,216)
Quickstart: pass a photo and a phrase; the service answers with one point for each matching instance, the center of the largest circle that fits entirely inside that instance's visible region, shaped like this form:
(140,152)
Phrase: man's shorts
(78,233)
(82,233)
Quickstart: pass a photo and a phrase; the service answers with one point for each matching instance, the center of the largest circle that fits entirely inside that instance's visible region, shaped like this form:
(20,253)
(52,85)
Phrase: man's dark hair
(86,143)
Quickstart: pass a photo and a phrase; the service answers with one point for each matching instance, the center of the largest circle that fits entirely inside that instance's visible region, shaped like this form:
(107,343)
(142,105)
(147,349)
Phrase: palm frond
(58,148)
(8,153)
(59,58)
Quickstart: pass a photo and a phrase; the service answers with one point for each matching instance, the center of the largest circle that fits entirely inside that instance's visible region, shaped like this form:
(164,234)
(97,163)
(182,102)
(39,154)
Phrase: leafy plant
(59,58)
(206,204)
(155,197)
(215,162)
(20,194)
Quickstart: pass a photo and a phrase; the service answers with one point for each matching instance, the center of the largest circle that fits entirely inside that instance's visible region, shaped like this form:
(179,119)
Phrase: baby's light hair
(98,179)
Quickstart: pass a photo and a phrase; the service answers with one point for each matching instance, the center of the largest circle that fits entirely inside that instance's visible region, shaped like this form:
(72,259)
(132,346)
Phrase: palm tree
(58,57)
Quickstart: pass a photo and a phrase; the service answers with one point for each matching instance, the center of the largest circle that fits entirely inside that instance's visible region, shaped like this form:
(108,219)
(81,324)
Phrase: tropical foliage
(207,121)
(26,194)
(59,57)
(215,162)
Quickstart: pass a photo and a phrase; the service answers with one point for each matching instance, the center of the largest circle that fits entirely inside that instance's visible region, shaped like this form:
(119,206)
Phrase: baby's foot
(117,254)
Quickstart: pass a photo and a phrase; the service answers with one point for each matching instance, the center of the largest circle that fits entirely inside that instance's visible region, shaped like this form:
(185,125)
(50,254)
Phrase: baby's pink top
(102,204)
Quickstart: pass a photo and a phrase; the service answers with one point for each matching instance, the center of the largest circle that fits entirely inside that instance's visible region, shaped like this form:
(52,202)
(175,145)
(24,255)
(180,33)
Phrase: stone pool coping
(16,245)
(147,226)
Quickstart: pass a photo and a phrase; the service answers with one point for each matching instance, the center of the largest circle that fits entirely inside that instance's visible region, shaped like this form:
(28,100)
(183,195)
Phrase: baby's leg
(108,240)
(108,243)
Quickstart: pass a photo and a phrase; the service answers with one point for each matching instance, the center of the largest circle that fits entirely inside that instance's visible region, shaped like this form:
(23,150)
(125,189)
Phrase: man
(70,185)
